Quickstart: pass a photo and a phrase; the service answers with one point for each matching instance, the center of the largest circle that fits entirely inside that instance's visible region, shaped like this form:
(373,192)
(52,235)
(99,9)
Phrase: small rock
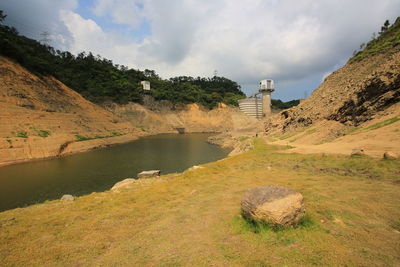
(339,221)
(147,174)
(194,191)
(390,155)
(123,183)
(67,198)
(273,204)
(195,167)
(357,152)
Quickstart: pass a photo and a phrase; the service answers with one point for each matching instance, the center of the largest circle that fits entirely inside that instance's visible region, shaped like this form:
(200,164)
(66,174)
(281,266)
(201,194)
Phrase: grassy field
(193,219)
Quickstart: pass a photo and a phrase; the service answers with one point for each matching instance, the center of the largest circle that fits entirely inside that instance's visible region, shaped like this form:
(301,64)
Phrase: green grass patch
(377,125)
(22,134)
(9,141)
(39,132)
(385,42)
(114,133)
(396,225)
(243,138)
(80,138)
(308,132)
(248,224)
(43,133)
(382,123)
(353,130)
(301,134)
(287,136)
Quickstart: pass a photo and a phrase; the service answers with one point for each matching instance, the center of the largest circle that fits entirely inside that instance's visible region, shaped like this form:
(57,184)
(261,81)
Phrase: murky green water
(99,170)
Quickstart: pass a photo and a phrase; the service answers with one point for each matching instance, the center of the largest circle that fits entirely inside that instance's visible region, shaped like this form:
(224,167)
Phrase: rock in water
(272,204)
(123,183)
(390,155)
(67,198)
(147,174)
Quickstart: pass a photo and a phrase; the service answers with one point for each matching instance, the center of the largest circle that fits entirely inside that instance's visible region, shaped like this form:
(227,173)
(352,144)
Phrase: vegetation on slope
(279,104)
(193,219)
(99,79)
(389,37)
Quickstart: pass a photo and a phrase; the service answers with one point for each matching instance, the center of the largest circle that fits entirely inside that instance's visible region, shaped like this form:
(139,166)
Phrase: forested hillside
(99,79)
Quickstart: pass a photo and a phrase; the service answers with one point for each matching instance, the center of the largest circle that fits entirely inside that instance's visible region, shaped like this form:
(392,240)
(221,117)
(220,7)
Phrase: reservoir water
(98,170)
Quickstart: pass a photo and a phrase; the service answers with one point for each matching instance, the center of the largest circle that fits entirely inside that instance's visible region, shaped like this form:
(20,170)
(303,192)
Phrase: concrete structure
(258,107)
(251,107)
(266,88)
(146,85)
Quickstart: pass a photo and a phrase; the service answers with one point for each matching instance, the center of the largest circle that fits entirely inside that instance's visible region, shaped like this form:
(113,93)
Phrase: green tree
(385,26)
(2,16)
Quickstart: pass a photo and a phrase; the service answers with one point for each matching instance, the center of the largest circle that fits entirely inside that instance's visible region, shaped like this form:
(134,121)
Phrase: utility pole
(45,38)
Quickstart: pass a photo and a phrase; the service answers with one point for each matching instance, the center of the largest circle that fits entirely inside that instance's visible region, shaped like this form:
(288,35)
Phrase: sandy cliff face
(41,117)
(155,117)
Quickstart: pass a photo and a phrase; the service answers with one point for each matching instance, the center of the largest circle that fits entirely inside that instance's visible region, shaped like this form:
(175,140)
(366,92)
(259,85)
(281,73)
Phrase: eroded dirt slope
(352,95)
(162,117)
(357,106)
(41,117)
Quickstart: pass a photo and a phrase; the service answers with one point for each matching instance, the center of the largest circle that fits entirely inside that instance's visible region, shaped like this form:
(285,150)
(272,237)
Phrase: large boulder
(272,204)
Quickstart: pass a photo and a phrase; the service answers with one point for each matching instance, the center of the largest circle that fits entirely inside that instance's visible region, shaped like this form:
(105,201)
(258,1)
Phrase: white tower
(266,88)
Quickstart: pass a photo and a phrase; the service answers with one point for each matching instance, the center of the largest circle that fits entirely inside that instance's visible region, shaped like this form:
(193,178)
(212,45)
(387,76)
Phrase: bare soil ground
(375,137)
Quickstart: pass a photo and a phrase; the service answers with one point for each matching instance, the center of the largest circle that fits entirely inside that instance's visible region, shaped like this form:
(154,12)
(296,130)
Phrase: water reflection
(98,170)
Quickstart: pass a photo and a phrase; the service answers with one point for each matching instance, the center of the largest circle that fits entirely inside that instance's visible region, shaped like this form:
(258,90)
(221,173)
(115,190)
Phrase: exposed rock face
(390,155)
(163,117)
(351,95)
(67,198)
(239,142)
(273,204)
(149,174)
(123,183)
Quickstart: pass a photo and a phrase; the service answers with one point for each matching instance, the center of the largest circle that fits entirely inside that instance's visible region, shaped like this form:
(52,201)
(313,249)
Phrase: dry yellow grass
(193,219)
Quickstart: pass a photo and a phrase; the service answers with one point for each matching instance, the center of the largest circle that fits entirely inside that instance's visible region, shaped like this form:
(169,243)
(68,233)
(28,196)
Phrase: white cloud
(120,11)
(246,40)
(85,32)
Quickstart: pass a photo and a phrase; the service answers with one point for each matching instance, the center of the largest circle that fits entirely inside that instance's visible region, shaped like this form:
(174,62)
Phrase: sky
(297,43)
